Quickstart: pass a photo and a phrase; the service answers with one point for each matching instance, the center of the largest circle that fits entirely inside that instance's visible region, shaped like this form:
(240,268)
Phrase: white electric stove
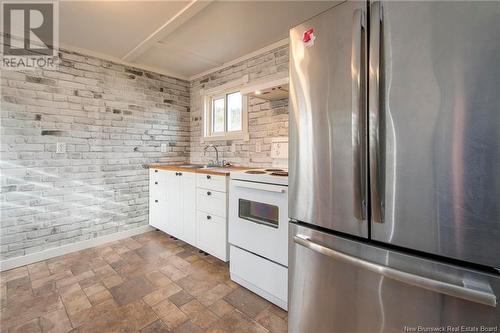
(258,232)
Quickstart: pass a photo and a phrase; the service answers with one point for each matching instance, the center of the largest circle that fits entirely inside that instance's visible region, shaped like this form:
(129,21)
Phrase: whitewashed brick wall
(113,120)
(266,119)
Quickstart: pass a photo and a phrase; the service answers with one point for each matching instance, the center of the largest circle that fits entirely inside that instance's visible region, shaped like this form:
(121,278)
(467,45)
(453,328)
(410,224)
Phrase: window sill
(230,137)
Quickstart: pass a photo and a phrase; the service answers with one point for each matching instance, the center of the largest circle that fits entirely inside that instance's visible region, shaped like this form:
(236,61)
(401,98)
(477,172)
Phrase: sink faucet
(216,154)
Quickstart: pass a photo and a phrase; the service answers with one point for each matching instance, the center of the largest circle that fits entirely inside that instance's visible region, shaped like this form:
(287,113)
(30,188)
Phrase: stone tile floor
(147,283)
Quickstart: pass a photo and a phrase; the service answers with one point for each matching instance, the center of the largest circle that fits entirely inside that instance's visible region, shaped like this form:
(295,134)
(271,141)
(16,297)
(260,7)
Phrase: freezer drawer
(264,277)
(340,285)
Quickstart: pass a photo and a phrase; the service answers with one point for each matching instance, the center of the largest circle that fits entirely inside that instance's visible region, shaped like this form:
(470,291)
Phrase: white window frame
(221,92)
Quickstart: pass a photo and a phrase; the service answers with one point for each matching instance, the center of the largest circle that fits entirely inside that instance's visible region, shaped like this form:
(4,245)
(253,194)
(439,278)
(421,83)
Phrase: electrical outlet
(279,148)
(60,147)
(163,147)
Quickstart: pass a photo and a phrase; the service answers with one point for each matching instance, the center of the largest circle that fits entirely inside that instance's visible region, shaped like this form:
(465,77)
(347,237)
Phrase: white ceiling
(182,38)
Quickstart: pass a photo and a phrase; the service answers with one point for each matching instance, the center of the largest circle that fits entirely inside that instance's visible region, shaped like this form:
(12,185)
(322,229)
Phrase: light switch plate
(163,147)
(60,147)
(258,147)
(233,147)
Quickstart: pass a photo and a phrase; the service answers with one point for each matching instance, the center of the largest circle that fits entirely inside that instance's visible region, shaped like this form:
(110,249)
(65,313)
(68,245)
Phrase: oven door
(258,219)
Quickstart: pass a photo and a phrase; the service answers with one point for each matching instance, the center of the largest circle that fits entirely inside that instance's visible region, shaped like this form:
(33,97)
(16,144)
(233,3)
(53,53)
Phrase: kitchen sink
(193,166)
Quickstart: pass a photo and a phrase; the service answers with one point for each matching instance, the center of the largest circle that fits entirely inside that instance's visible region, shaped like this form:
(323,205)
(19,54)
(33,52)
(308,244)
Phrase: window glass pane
(234,102)
(218,115)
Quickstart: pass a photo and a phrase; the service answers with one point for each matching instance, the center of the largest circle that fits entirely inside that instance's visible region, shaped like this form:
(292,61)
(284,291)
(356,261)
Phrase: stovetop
(278,176)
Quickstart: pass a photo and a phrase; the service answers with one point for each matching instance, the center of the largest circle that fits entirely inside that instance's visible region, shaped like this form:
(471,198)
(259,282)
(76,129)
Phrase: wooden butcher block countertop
(225,171)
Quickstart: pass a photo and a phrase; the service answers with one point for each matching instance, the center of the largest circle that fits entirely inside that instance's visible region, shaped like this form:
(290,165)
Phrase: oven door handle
(260,186)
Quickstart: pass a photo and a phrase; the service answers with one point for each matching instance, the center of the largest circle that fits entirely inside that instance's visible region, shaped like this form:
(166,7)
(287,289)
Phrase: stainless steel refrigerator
(394,188)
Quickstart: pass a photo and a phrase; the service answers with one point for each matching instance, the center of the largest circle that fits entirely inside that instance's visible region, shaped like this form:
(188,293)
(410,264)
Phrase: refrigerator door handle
(377,210)
(442,287)
(357,114)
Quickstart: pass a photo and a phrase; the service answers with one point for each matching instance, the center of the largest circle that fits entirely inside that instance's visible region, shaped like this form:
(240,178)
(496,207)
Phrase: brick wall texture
(112,120)
(266,120)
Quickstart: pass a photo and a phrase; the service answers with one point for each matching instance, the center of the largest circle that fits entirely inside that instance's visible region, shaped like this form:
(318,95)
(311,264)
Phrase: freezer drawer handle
(472,295)
(259,186)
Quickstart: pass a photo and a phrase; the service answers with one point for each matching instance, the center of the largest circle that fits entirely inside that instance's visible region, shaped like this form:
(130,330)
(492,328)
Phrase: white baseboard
(68,248)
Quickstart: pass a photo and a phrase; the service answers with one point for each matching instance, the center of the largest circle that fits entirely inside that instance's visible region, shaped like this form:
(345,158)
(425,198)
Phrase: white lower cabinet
(174,211)
(212,234)
(191,207)
(157,199)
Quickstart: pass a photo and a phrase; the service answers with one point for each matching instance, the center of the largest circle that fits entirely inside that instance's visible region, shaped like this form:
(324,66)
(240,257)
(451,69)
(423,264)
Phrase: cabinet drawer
(212,182)
(212,202)
(212,235)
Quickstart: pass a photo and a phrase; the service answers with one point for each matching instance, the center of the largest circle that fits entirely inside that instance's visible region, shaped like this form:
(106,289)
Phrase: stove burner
(273,170)
(280,173)
(254,172)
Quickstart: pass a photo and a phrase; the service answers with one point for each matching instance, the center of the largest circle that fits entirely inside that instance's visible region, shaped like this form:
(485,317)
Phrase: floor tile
(271,321)
(112,280)
(156,327)
(170,314)
(180,298)
(161,294)
(199,314)
(147,283)
(236,321)
(221,308)
(188,327)
(196,284)
(247,302)
(139,314)
(55,322)
(75,302)
(100,297)
(131,290)
(213,295)
(31,326)
(158,279)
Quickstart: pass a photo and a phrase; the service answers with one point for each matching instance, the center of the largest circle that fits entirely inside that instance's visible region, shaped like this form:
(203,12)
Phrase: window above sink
(225,116)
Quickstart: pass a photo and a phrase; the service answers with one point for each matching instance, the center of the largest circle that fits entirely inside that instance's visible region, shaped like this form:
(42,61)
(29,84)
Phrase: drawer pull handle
(156,183)
(176,173)
(209,217)
(208,177)
(156,170)
(180,173)
(156,200)
(209,193)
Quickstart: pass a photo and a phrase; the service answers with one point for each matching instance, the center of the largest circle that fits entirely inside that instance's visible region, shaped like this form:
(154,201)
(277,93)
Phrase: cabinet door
(212,235)
(174,203)
(157,199)
(155,212)
(189,207)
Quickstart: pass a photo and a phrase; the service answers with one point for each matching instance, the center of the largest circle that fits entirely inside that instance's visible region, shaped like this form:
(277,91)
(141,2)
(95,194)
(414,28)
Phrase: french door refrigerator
(394,168)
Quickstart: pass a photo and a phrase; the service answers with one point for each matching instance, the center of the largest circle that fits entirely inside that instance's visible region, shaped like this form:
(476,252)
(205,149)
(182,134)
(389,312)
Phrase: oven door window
(259,212)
